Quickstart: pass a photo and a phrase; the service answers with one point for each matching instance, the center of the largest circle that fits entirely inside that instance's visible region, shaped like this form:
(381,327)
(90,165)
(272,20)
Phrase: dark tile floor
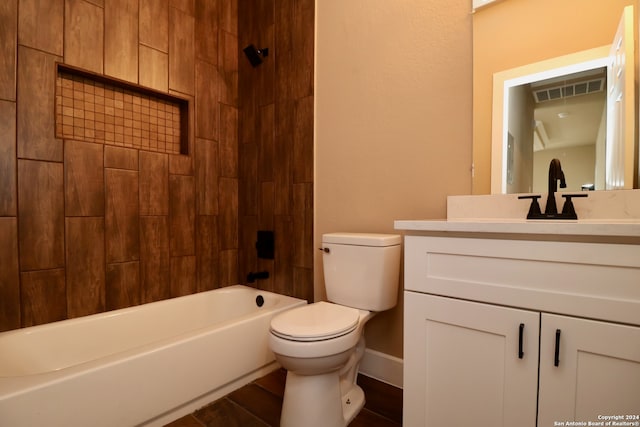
(258,404)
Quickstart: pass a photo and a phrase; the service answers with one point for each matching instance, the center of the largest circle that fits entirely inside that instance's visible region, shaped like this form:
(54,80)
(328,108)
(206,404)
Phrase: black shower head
(255,55)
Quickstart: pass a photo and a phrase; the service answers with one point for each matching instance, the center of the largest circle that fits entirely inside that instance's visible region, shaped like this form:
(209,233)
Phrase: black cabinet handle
(556,358)
(520,341)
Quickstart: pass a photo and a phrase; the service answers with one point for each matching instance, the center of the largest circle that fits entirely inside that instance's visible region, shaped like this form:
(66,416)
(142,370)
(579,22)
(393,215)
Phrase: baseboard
(383,367)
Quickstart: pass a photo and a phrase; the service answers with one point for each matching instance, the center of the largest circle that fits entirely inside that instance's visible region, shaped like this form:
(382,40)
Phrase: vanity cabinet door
(595,370)
(465,364)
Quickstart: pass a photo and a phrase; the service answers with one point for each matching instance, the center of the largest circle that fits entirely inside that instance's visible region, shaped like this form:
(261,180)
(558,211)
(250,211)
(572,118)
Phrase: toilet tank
(362,270)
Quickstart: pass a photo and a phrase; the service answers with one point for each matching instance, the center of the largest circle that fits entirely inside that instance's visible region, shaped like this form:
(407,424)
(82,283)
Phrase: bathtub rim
(11,386)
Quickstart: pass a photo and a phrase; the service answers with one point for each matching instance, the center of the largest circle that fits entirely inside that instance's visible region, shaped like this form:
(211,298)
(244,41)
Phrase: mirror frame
(502,81)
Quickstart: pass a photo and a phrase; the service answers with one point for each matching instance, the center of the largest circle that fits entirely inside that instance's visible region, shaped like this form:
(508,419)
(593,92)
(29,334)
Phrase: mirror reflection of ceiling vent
(569,90)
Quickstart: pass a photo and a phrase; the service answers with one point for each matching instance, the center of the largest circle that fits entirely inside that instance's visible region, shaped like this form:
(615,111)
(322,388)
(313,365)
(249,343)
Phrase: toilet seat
(315,322)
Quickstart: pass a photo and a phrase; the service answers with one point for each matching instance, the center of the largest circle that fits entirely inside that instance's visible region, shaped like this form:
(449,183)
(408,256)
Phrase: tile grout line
(197,420)
(248,412)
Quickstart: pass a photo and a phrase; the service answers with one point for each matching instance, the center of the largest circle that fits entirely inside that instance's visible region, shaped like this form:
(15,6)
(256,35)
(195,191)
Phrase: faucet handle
(534,208)
(568,210)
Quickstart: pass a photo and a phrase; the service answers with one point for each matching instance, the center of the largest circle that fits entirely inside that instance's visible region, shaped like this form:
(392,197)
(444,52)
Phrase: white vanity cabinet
(488,319)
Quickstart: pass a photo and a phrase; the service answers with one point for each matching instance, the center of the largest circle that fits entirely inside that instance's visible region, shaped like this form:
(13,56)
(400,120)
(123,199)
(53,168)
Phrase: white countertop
(618,228)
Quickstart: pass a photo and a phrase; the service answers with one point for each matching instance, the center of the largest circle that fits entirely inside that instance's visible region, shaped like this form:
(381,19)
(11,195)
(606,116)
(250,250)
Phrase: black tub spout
(252,277)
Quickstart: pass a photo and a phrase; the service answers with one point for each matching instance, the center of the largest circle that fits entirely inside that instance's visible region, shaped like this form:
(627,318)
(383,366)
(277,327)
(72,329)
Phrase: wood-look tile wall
(87,227)
(276,142)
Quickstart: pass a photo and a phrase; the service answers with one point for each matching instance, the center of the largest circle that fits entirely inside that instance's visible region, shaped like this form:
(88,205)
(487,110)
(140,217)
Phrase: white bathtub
(144,365)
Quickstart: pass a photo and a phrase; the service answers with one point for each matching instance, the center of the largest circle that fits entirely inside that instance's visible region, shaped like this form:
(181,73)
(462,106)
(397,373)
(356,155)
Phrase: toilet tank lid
(362,239)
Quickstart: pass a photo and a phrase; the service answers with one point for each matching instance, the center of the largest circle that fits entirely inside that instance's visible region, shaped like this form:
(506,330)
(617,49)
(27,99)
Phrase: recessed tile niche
(94,108)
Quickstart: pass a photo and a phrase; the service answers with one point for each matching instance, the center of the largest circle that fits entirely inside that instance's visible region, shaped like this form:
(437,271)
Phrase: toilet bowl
(321,344)
(318,344)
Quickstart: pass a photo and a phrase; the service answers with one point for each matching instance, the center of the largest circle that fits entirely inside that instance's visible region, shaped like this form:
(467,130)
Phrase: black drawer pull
(520,341)
(556,358)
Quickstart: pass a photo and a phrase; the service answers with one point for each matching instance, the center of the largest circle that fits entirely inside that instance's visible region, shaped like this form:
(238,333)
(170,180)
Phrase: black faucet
(555,174)
(551,210)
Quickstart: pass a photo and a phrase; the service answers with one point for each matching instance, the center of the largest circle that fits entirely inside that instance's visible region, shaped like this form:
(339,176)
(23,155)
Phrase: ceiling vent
(569,90)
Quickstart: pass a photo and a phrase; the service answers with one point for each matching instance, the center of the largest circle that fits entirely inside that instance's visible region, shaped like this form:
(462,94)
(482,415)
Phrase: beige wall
(512,33)
(393,121)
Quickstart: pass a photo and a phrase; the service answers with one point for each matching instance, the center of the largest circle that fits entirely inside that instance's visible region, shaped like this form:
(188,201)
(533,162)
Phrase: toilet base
(352,403)
(317,401)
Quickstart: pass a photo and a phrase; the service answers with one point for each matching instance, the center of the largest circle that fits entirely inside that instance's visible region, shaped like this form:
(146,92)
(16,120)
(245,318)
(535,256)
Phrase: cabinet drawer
(593,280)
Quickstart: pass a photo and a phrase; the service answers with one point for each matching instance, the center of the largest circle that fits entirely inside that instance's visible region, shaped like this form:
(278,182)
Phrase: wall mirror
(583,54)
(551,109)
(578,108)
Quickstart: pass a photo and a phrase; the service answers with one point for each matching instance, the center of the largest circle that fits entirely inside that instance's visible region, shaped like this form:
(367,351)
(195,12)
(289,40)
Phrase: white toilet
(321,344)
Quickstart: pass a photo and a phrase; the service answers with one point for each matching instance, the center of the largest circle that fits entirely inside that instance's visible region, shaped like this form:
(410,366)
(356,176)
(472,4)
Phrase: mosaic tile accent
(95,111)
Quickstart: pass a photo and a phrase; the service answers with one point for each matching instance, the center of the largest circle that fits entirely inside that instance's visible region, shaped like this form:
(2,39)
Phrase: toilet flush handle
(325,250)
